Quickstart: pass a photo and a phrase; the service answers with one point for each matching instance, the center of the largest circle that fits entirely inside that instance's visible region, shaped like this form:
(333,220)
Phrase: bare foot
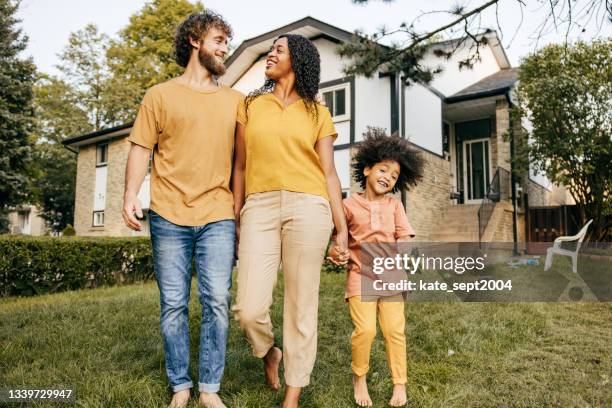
(271,363)
(362,396)
(180,399)
(292,397)
(398,399)
(210,400)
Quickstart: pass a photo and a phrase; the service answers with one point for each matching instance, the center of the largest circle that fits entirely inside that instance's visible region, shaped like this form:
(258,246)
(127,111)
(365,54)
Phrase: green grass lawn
(106,344)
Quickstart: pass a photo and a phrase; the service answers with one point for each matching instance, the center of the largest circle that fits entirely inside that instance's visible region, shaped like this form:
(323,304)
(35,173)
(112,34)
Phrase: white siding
(342,162)
(423,118)
(451,80)
(372,104)
(144,195)
(331,63)
(100,189)
(253,78)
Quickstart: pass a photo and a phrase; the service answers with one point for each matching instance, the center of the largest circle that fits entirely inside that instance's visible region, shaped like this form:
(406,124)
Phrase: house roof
(495,84)
(254,48)
(99,135)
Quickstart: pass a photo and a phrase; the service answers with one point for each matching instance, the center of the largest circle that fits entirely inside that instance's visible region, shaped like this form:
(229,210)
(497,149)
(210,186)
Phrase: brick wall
(427,202)
(85,185)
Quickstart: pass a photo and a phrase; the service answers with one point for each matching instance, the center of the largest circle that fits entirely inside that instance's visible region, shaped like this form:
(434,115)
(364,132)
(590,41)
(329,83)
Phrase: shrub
(36,265)
(68,231)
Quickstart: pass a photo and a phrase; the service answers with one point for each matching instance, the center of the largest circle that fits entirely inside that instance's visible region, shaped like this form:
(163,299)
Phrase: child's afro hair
(377,147)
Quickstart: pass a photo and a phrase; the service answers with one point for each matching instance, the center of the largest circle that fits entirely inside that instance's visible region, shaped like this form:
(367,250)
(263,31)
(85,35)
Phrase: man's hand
(131,206)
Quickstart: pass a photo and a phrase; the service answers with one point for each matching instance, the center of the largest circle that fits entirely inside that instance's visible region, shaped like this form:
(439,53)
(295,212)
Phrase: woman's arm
(238,171)
(325,150)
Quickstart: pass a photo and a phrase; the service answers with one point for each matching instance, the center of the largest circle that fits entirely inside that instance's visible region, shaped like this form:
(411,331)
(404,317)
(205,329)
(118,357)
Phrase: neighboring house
(458,122)
(25,220)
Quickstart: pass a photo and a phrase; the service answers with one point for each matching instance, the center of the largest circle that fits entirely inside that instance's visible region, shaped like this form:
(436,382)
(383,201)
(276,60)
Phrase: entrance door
(476,169)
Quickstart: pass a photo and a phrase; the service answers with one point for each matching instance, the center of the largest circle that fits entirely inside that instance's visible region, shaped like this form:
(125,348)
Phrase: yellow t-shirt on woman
(280,146)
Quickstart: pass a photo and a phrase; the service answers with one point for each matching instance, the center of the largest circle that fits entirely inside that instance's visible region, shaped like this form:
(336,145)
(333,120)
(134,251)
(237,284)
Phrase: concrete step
(454,237)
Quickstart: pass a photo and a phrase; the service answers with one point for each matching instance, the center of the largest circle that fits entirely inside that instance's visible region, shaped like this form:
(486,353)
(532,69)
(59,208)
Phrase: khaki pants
(392,324)
(292,228)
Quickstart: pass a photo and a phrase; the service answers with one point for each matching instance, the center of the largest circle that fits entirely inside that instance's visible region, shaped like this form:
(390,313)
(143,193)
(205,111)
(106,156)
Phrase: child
(381,165)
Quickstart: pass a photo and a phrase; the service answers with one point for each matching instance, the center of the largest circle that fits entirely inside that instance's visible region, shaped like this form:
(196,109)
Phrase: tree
(16,79)
(565,92)
(53,168)
(143,55)
(84,68)
(465,25)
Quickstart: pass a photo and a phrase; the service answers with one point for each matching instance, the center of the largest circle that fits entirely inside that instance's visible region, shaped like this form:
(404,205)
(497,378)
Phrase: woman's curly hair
(195,26)
(377,147)
(306,64)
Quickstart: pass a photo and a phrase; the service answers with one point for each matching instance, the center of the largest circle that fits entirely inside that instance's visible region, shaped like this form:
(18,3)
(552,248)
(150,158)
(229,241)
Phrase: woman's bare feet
(292,397)
(398,399)
(210,400)
(271,364)
(362,396)
(180,399)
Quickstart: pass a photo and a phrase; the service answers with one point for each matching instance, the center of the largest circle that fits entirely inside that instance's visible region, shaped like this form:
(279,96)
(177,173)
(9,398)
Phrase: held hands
(131,207)
(338,252)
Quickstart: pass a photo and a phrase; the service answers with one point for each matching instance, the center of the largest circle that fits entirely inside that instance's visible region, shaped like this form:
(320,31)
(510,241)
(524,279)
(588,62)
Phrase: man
(188,124)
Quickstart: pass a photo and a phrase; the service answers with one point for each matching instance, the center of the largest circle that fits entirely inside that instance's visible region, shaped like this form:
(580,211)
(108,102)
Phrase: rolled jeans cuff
(181,387)
(209,388)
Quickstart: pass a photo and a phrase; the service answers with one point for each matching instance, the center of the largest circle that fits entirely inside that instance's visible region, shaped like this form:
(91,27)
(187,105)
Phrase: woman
(284,165)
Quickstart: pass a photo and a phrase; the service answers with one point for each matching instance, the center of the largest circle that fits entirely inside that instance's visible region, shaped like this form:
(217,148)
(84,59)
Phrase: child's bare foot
(398,399)
(362,396)
(210,400)
(271,363)
(180,399)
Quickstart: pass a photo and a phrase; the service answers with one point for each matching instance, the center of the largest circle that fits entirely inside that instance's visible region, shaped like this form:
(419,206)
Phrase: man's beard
(209,61)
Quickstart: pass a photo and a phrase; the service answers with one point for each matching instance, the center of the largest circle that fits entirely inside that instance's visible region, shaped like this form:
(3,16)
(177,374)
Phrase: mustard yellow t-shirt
(280,146)
(191,133)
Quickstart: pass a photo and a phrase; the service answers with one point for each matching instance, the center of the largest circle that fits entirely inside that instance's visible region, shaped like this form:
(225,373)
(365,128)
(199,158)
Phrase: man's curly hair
(306,64)
(377,147)
(195,27)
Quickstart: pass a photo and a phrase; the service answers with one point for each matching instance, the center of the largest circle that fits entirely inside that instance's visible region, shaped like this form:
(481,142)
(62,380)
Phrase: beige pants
(292,228)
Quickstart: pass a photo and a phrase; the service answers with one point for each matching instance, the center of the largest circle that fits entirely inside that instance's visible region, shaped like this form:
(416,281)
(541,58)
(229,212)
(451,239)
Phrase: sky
(48,23)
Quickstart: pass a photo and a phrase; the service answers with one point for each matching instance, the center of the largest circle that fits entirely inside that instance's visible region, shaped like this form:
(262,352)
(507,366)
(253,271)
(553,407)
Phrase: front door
(476,169)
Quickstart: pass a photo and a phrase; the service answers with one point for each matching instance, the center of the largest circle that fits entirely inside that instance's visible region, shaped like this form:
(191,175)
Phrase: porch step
(458,224)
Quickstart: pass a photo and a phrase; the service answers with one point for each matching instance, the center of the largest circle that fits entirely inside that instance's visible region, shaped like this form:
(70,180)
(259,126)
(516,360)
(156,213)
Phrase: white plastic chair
(556,248)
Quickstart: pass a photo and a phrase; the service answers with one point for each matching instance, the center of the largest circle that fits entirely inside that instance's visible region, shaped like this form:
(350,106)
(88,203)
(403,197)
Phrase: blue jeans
(174,248)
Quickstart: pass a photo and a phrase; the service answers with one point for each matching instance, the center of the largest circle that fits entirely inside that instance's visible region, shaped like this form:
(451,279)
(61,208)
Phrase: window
(337,101)
(23,221)
(98,218)
(101,154)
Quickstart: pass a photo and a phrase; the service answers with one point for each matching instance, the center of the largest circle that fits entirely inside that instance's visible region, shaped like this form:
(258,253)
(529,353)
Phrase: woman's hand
(338,253)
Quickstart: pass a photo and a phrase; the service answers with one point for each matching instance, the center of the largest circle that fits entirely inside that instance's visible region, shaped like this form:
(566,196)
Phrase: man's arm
(135,172)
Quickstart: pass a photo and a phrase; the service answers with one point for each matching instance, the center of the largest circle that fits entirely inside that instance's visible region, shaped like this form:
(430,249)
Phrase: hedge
(36,265)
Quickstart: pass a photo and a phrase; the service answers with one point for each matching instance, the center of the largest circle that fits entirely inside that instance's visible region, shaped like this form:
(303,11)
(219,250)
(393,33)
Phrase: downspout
(395,88)
(512,177)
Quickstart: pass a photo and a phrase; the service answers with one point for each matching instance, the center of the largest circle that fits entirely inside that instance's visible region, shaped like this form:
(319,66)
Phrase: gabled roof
(254,48)
(495,84)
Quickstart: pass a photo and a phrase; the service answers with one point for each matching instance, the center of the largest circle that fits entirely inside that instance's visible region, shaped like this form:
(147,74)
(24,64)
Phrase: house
(458,122)
(26,220)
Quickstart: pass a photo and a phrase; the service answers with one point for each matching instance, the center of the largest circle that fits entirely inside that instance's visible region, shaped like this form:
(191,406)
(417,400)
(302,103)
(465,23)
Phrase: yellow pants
(392,324)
